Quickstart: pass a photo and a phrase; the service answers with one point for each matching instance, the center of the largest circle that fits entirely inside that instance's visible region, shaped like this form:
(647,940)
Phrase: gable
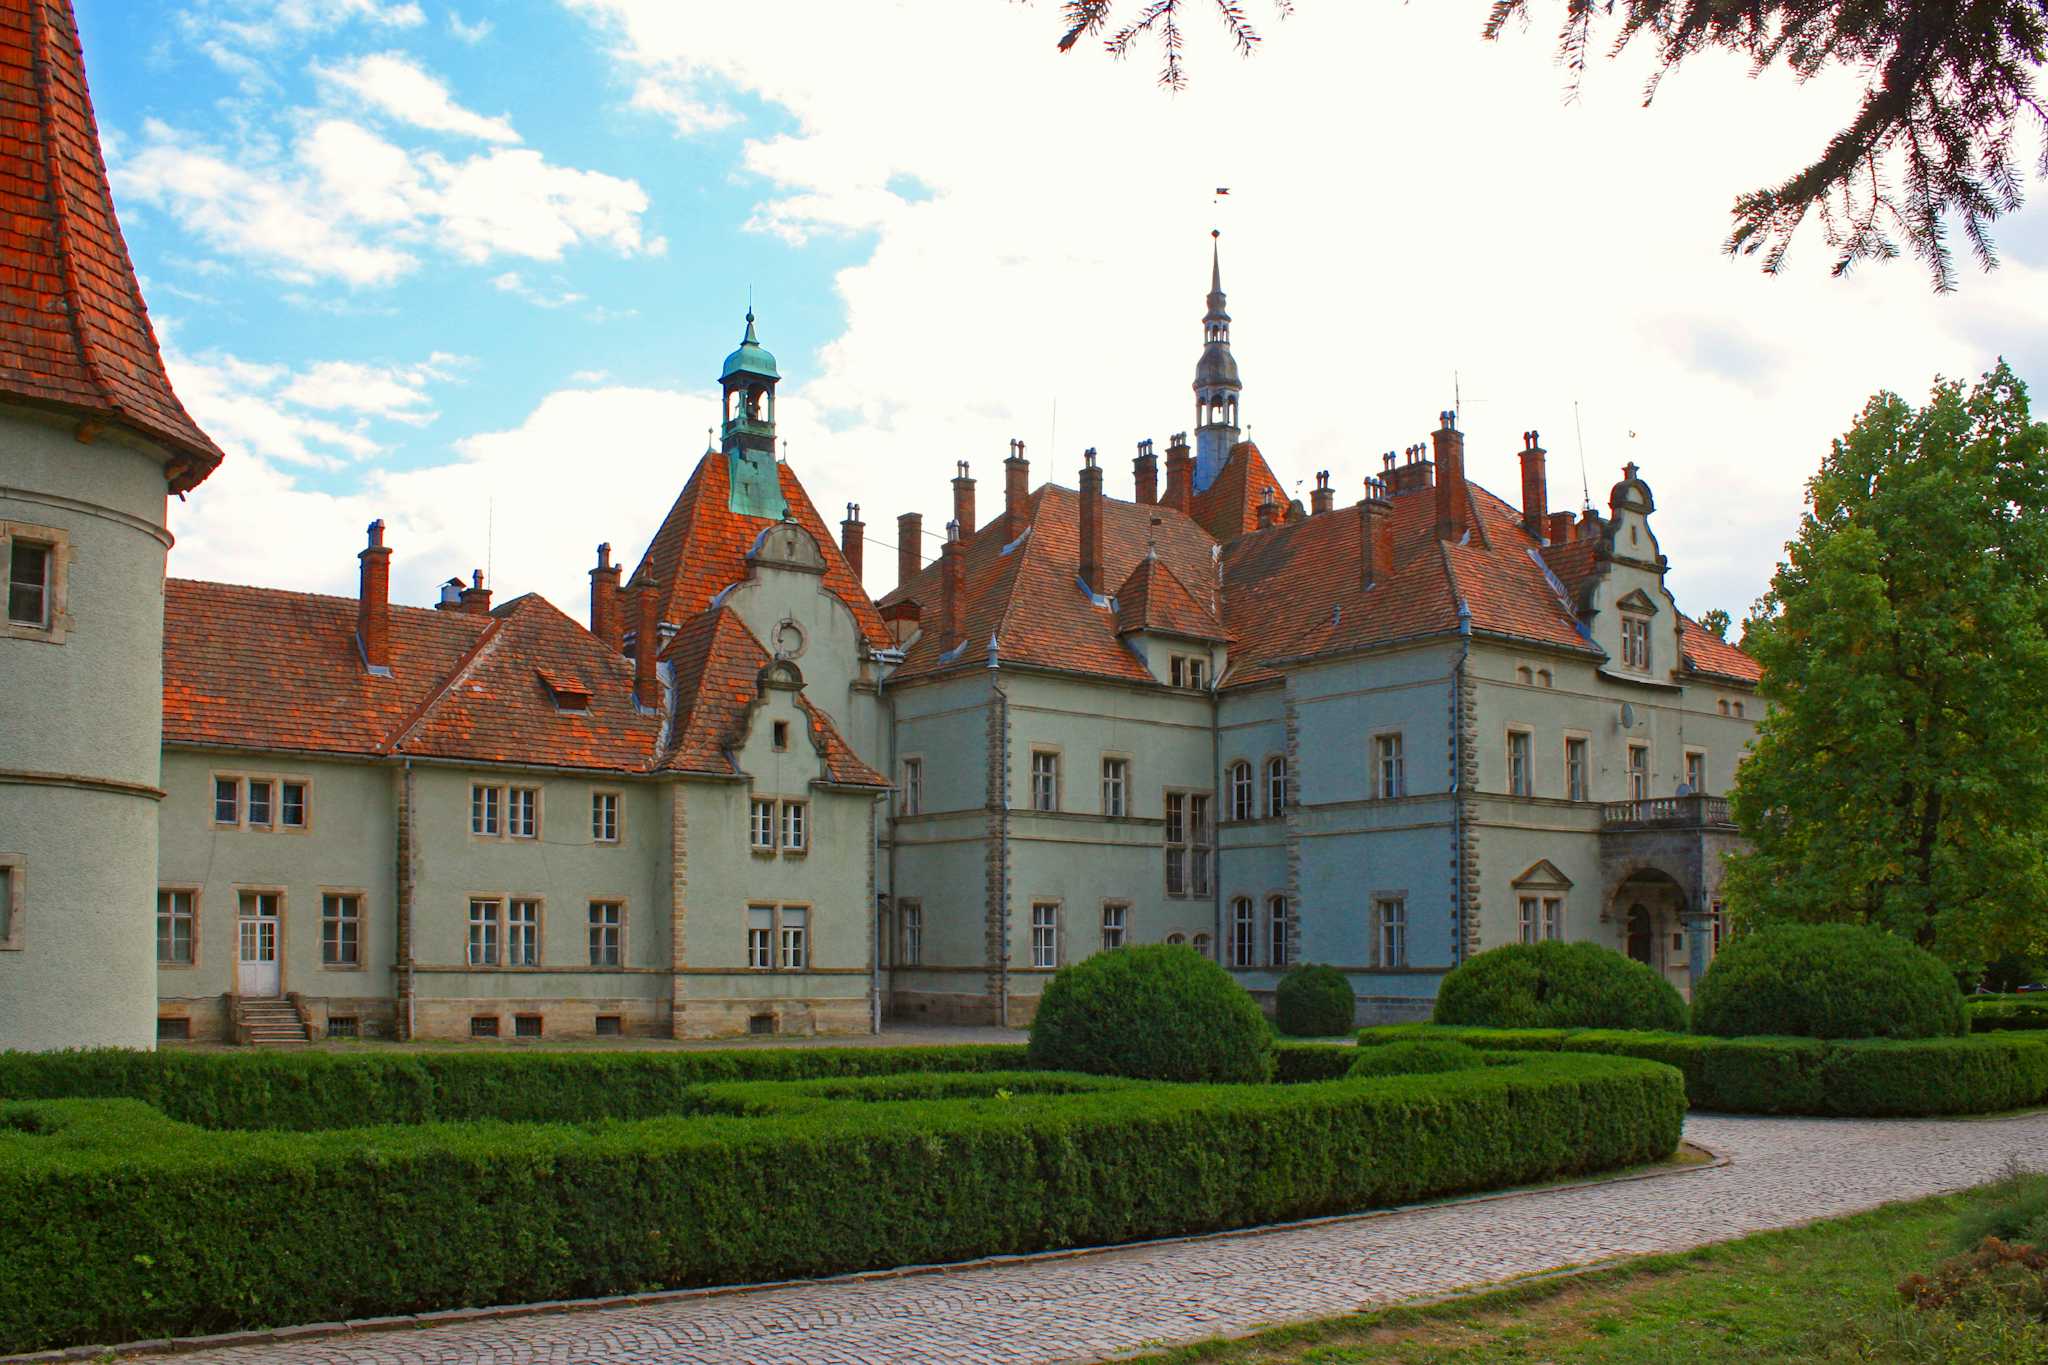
(1542,875)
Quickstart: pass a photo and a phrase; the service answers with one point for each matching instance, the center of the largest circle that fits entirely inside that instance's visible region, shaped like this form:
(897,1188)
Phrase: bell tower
(748,435)
(1217,386)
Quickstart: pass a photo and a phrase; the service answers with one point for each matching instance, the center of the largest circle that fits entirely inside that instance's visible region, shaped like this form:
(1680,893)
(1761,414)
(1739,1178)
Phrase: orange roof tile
(1152,599)
(1711,656)
(1229,506)
(74,332)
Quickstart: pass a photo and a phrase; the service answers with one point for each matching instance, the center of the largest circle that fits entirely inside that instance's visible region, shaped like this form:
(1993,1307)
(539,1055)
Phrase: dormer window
(781,735)
(569,694)
(1635,643)
(1188,670)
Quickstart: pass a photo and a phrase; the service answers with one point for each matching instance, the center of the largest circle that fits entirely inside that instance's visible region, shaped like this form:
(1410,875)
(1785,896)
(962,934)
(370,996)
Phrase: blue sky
(472,268)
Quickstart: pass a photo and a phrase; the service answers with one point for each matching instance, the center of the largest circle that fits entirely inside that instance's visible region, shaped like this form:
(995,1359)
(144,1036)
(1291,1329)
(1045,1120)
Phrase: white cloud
(671,99)
(396,85)
(511,282)
(236,34)
(471,33)
(395,392)
(513,202)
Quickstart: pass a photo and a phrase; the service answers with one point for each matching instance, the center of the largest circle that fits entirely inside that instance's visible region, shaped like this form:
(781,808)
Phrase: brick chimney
(853,539)
(1145,474)
(952,589)
(476,598)
(1376,534)
(1016,491)
(1269,510)
(1324,497)
(646,643)
(963,502)
(373,602)
(1180,473)
(1560,528)
(605,622)
(1091,522)
(909,532)
(1535,486)
(1452,506)
(1411,473)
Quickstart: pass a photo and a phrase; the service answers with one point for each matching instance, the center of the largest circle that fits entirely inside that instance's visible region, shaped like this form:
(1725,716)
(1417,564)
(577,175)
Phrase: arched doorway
(1648,909)
(1642,934)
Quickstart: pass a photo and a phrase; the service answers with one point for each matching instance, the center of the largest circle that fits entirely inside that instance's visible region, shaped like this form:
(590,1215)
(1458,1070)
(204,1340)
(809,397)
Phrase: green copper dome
(751,358)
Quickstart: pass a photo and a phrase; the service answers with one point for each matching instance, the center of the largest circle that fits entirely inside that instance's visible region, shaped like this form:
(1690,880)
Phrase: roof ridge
(455,674)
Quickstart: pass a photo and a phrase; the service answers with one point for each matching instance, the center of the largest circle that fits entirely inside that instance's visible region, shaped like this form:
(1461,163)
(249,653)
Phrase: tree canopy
(1900,777)
(1948,95)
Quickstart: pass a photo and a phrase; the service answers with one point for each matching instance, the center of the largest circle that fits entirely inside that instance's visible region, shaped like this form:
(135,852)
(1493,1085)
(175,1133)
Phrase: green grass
(1826,1293)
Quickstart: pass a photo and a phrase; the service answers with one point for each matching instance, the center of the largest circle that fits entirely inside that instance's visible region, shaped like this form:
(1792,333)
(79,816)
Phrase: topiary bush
(1558,985)
(1315,1001)
(1415,1059)
(1827,981)
(1156,1012)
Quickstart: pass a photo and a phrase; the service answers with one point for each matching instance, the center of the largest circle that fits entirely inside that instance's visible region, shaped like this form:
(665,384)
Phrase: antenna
(490,537)
(1052,443)
(1585,484)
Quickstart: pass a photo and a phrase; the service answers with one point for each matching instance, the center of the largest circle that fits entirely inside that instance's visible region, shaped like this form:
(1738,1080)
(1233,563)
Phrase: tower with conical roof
(748,440)
(92,439)
(1217,386)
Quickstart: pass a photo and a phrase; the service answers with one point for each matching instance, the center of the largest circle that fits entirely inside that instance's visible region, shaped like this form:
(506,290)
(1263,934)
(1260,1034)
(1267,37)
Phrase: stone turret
(1217,386)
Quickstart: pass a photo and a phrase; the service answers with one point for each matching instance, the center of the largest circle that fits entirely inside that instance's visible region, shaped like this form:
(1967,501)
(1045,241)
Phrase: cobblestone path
(1082,1308)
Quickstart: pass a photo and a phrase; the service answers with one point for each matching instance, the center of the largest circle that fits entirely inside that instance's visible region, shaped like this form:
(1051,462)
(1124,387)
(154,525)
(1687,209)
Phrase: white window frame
(342,927)
(761,823)
(793,938)
(607,809)
(1390,930)
(795,824)
(1190,671)
(1635,642)
(910,932)
(1276,931)
(1116,924)
(1244,932)
(285,787)
(486,811)
(1638,774)
(1045,780)
(1521,762)
(522,813)
(1276,786)
(1531,918)
(1578,775)
(1116,785)
(760,937)
(1553,918)
(1237,783)
(607,923)
(54,621)
(234,785)
(520,940)
(910,799)
(1045,934)
(266,805)
(168,916)
(1696,758)
(485,942)
(1389,766)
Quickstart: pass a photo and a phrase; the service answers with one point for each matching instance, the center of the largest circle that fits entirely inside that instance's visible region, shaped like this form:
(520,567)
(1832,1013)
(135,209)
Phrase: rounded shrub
(1827,981)
(1554,984)
(1415,1059)
(1315,1001)
(1157,1012)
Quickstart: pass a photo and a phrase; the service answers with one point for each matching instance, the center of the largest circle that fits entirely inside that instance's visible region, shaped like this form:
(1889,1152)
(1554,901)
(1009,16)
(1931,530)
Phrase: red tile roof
(1152,599)
(1229,506)
(701,548)
(1711,656)
(74,332)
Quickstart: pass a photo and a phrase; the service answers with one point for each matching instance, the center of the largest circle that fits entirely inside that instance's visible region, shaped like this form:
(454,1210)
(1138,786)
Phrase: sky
(473,268)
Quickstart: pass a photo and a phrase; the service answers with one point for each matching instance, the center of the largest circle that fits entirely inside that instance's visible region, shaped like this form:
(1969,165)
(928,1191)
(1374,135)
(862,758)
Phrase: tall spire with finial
(1217,387)
(748,380)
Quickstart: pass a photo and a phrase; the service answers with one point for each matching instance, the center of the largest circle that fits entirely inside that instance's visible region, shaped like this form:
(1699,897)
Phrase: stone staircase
(267,1021)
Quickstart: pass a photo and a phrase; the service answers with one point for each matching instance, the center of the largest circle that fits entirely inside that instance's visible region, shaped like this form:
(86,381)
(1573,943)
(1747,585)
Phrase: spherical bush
(1415,1059)
(1827,981)
(1554,984)
(1315,1002)
(1159,1012)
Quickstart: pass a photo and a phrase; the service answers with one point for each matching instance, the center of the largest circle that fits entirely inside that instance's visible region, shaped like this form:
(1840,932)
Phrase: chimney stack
(1535,486)
(853,540)
(909,531)
(1091,522)
(646,643)
(1452,506)
(1016,491)
(604,599)
(1269,511)
(373,602)
(963,502)
(1145,474)
(1561,528)
(476,598)
(1376,534)
(1324,498)
(1180,473)
(952,589)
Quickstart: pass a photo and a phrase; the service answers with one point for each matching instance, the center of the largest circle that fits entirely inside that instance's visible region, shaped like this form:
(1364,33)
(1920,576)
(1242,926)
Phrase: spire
(1217,385)
(748,380)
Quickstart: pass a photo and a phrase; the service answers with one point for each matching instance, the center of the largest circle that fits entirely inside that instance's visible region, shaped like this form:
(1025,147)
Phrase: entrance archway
(1642,933)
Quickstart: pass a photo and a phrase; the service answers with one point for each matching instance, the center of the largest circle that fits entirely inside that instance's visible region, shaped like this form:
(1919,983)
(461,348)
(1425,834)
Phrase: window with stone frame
(13,906)
(910,930)
(1189,839)
(1390,776)
(1045,934)
(1200,943)
(910,796)
(31,587)
(1116,787)
(761,937)
(761,825)
(793,938)
(1188,670)
(294,809)
(177,923)
(1238,784)
(227,800)
(1532,918)
(1521,763)
(1578,768)
(796,826)
(262,810)
(522,932)
(341,929)
(1115,924)
(1243,932)
(1635,642)
(1276,931)
(607,933)
(1276,786)
(522,812)
(486,810)
(484,912)
(1553,917)
(1696,771)
(1638,772)
(1045,780)
(604,817)
(1390,931)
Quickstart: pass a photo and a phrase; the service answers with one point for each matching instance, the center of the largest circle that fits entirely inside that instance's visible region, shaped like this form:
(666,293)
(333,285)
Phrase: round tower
(1217,386)
(92,439)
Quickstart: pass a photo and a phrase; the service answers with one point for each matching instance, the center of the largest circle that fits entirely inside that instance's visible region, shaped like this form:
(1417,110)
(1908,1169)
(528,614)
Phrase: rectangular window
(1638,772)
(291,805)
(1116,787)
(174,924)
(483,1025)
(913,933)
(1045,780)
(344,1026)
(1202,839)
(1113,917)
(1243,932)
(1187,670)
(610,1026)
(1390,916)
(1045,935)
(1276,786)
(761,826)
(779,735)
(1521,764)
(28,583)
(795,826)
(526,1026)
(1239,777)
(1553,917)
(1577,769)
(1532,921)
(795,941)
(910,800)
(483,935)
(1388,767)
(341,930)
(523,812)
(760,936)
(1696,773)
(1176,844)
(10,896)
(1276,931)
(522,934)
(259,804)
(484,812)
(607,930)
(227,800)
(604,817)
(1635,643)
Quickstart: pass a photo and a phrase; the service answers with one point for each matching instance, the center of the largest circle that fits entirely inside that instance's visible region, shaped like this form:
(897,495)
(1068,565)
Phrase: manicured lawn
(1825,1293)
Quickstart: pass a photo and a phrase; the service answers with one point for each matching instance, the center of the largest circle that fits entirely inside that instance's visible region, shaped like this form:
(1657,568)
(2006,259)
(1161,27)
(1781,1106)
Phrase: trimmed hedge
(1554,984)
(1991,1015)
(1428,1057)
(1315,1001)
(1826,981)
(117,1223)
(1869,1078)
(1155,1012)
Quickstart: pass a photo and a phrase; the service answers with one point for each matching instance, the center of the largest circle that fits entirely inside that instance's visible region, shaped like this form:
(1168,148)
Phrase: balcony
(1666,812)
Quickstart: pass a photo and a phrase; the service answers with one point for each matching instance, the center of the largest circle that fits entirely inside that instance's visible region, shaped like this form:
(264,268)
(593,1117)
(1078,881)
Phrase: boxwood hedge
(118,1222)
(2004,1013)
(1870,1078)
(1554,984)
(1826,981)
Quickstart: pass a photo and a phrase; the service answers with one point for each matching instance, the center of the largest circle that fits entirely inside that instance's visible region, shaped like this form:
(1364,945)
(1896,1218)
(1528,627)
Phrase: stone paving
(1086,1307)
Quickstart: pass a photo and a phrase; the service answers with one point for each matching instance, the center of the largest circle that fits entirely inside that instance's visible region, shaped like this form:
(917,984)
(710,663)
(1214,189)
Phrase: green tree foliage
(1717,621)
(1901,776)
(1157,1012)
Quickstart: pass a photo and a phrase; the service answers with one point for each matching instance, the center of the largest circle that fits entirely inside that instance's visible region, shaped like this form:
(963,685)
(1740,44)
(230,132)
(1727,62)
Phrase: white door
(256,966)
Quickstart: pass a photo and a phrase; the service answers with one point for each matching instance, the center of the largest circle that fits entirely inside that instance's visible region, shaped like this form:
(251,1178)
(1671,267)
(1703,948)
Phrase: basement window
(608,1026)
(526,1026)
(174,1030)
(344,1026)
(483,1026)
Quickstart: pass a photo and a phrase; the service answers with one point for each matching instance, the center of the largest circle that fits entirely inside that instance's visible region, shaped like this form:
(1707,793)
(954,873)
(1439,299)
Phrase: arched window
(1276,929)
(1178,940)
(1240,784)
(1202,944)
(1276,787)
(1243,933)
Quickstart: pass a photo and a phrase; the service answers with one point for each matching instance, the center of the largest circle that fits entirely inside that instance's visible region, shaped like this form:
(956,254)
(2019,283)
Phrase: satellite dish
(1628,716)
